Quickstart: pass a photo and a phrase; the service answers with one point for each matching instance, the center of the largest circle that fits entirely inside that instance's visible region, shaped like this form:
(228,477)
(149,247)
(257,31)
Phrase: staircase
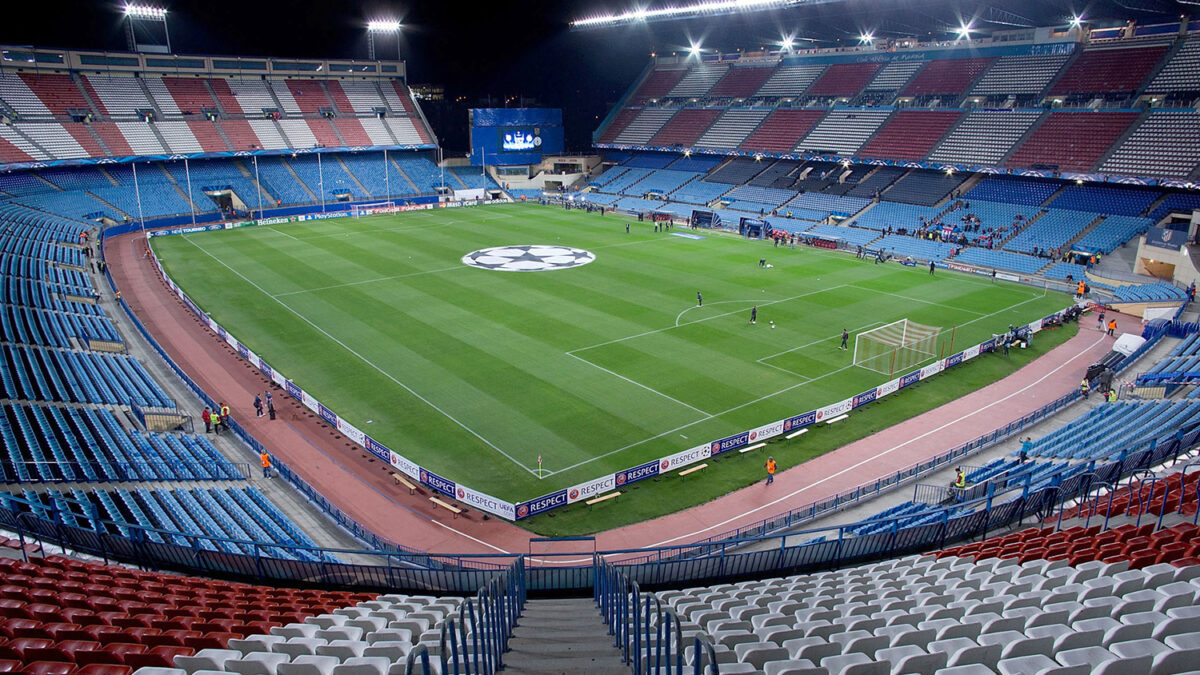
(561,637)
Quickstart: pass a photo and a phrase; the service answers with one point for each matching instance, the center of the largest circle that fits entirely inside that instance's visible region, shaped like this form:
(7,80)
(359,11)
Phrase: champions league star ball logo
(528,258)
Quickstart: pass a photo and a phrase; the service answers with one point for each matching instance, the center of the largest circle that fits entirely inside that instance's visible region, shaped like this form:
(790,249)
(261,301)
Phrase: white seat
(292,630)
(345,632)
(1143,647)
(794,667)
(389,635)
(758,654)
(150,670)
(257,663)
(298,646)
(969,669)
(308,664)
(342,649)
(254,643)
(1173,662)
(912,659)
(327,620)
(986,655)
(363,665)
(1038,664)
(854,664)
(395,651)
(207,659)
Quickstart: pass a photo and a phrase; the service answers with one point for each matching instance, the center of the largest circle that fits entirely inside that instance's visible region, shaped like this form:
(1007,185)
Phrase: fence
(485,623)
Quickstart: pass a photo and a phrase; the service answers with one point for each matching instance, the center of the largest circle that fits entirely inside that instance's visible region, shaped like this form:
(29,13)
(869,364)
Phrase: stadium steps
(1028,225)
(1082,233)
(1055,195)
(391,135)
(1028,132)
(86,90)
(337,132)
(22,134)
(962,189)
(1059,75)
(353,177)
(153,102)
(110,205)
(221,131)
(396,166)
(220,108)
(279,127)
(457,179)
(249,175)
(162,141)
(1123,137)
(184,195)
(1155,204)
(101,143)
(284,162)
(1176,45)
(562,636)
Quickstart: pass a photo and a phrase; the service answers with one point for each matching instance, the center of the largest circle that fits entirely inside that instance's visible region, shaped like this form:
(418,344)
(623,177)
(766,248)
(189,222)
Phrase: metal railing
(475,642)
(640,624)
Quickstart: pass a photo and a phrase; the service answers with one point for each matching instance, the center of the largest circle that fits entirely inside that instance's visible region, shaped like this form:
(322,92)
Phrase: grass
(474,374)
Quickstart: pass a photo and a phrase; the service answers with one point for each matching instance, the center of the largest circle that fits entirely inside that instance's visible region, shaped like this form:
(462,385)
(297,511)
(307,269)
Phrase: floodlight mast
(135,13)
(383,26)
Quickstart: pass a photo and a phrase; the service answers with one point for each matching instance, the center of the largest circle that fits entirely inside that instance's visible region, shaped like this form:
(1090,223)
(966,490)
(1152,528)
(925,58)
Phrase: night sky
(504,49)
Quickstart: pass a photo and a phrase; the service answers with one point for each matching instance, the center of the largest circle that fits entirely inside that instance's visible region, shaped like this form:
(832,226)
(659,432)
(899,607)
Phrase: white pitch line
(817,342)
(879,454)
(370,281)
(760,399)
(639,384)
(719,302)
(283,233)
(912,299)
(709,318)
(362,358)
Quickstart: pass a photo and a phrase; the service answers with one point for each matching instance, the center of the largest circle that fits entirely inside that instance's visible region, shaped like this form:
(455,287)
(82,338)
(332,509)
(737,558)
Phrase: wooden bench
(693,469)
(401,480)
(446,505)
(603,498)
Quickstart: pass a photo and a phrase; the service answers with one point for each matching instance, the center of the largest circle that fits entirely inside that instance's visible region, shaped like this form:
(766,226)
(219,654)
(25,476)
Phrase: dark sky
(501,49)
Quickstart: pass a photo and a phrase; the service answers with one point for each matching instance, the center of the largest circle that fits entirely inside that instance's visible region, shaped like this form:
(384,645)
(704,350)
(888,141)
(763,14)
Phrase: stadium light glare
(787,42)
(383,26)
(964,31)
(694,49)
(702,8)
(866,38)
(1076,21)
(144,12)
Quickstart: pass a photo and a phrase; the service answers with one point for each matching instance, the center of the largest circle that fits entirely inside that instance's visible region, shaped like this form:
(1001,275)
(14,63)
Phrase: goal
(895,347)
(372,208)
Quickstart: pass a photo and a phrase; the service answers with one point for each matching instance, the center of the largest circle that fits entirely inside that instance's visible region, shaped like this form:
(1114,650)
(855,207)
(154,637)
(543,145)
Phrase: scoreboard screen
(514,136)
(520,139)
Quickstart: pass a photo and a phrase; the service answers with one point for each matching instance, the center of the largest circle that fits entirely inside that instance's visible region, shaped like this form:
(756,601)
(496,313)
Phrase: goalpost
(373,208)
(895,347)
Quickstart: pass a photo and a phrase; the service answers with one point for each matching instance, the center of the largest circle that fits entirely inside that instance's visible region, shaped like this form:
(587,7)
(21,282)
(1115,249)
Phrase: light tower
(150,18)
(385,27)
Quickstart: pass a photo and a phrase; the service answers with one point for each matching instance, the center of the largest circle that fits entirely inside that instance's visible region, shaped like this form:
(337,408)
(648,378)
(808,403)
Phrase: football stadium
(763,336)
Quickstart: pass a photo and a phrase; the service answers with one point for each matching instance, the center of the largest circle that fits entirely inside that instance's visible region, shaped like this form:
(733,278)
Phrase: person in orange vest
(1079,289)
(265,460)
(1112,326)
(770,465)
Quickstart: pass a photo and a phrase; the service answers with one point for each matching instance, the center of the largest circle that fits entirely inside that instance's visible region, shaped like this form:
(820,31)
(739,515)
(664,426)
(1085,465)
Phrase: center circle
(528,258)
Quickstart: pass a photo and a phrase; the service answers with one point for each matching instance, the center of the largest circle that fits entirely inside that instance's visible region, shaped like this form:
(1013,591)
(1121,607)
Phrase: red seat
(86,656)
(104,669)
(49,668)
(48,654)
(9,627)
(9,665)
(21,645)
(72,646)
(159,657)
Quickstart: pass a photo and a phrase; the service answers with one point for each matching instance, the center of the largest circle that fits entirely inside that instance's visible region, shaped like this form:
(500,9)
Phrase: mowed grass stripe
(490,348)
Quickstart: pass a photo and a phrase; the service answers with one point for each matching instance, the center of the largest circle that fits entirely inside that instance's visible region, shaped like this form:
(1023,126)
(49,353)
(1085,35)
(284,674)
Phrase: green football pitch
(476,373)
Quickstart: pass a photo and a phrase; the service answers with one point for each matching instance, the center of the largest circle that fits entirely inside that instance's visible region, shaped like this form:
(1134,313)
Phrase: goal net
(893,348)
(372,208)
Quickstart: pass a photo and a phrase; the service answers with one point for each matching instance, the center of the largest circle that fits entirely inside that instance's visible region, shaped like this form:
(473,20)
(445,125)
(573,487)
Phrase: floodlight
(866,38)
(1076,21)
(787,42)
(702,8)
(144,12)
(964,31)
(695,49)
(383,26)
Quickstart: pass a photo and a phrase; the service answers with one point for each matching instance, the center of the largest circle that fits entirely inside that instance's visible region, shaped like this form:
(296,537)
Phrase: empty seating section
(268,134)
(191,95)
(984,137)
(661,181)
(910,134)
(741,82)
(305,96)
(924,187)
(843,131)
(1166,143)
(699,192)
(789,81)
(179,137)
(213,176)
(885,214)
(54,139)
(731,129)
(876,182)
(297,133)
(697,163)
(697,82)
(1155,292)
(828,204)
(161,96)
(330,176)
(1180,74)
(23,101)
(782,130)
(657,84)
(946,77)
(1015,262)
(651,160)
(206,134)
(252,96)
(617,125)
(1061,270)
(377,177)
(1019,74)
(281,183)
(736,171)
(1109,70)
(471,176)
(240,134)
(59,93)
(1108,199)
(16,148)
(406,130)
(772,197)
(1072,140)
(1102,432)
(636,204)
(362,96)
(894,75)
(356,135)
(1054,229)
(1010,190)
(121,97)
(685,128)
(644,126)
(923,249)
(843,80)
(141,138)
(1176,202)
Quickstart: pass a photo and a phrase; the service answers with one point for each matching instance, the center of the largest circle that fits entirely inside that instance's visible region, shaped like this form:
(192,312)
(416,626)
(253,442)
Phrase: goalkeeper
(845,336)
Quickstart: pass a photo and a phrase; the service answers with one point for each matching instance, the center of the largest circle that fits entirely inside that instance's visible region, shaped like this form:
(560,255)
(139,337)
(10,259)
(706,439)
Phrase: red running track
(365,490)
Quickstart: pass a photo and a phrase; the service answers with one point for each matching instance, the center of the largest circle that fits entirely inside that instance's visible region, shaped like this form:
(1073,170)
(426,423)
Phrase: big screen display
(514,136)
(520,139)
